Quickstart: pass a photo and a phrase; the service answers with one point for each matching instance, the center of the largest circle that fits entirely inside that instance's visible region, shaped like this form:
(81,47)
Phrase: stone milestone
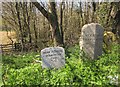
(91,40)
(53,57)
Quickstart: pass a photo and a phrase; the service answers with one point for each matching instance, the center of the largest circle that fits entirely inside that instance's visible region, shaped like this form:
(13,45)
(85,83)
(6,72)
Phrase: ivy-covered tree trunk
(53,20)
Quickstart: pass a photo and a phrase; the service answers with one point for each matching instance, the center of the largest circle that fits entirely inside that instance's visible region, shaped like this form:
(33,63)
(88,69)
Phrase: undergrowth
(78,70)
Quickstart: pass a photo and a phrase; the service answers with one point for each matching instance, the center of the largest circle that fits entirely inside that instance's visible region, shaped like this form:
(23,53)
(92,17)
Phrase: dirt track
(4,37)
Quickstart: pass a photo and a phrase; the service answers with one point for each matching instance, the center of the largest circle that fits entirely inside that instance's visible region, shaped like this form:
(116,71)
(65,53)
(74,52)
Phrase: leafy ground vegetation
(78,71)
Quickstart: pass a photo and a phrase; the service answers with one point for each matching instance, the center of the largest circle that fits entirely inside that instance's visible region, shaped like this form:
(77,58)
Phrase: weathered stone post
(91,40)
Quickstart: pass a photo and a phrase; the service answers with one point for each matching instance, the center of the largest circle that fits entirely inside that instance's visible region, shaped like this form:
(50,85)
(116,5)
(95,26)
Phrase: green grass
(78,70)
(20,60)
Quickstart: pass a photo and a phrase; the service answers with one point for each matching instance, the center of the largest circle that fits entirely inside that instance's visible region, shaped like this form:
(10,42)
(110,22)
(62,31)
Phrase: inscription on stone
(91,40)
(53,57)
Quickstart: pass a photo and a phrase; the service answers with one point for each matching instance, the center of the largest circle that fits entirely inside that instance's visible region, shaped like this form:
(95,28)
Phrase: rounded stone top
(92,29)
(92,26)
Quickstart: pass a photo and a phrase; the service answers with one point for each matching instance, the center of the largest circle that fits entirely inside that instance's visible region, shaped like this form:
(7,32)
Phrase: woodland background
(39,25)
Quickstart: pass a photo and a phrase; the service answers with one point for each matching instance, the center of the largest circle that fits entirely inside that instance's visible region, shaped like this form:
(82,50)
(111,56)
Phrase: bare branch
(41,9)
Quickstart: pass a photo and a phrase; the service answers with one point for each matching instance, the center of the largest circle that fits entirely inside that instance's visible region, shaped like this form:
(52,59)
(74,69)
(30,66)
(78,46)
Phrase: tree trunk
(81,12)
(20,25)
(28,24)
(61,20)
(108,17)
(35,32)
(53,20)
